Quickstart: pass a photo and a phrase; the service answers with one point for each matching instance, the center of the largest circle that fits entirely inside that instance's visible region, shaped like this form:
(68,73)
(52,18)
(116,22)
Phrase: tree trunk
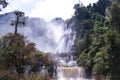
(16,25)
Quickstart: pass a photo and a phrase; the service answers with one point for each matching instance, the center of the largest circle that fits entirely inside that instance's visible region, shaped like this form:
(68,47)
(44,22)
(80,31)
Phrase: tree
(4,3)
(118,1)
(98,50)
(15,51)
(115,16)
(100,6)
(17,22)
(114,51)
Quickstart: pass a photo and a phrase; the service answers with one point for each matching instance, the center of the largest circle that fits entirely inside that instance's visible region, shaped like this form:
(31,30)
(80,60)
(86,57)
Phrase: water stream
(55,37)
(70,73)
(67,68)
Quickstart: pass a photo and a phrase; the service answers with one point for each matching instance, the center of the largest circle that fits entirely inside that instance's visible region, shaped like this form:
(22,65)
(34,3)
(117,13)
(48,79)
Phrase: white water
(52,37)
(66,41)
(67,68)
(71,73)
(46,35)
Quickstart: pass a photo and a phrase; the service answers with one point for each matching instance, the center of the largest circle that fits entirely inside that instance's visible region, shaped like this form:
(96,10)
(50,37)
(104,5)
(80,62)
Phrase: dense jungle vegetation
(97,44)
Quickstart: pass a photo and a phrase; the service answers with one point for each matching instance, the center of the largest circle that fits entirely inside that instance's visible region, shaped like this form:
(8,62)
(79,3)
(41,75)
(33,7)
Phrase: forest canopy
(97,45)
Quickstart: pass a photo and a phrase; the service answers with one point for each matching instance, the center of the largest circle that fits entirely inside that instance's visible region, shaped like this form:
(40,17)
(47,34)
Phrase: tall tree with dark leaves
(18,22)
(100,6)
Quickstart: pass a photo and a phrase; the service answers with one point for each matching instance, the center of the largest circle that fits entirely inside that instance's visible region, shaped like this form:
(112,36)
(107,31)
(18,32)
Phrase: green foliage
(114,40)
(16,55)
(82,60)
(102,61)
(97,43)
(100,6)
(98,68)
(115,15)
(14,51)
(81,12)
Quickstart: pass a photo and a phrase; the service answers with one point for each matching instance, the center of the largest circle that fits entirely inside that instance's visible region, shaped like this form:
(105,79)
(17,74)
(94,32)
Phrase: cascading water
(66,41)
(67,68)
(55,37)
(70,73)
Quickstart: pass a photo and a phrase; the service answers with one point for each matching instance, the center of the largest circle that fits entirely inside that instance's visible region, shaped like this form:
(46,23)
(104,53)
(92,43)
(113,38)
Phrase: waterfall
(67,68)
(55,37)
(66,41)
(70,73)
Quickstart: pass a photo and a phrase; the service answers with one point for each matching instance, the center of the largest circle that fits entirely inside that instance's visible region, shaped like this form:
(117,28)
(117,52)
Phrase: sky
(47,9)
